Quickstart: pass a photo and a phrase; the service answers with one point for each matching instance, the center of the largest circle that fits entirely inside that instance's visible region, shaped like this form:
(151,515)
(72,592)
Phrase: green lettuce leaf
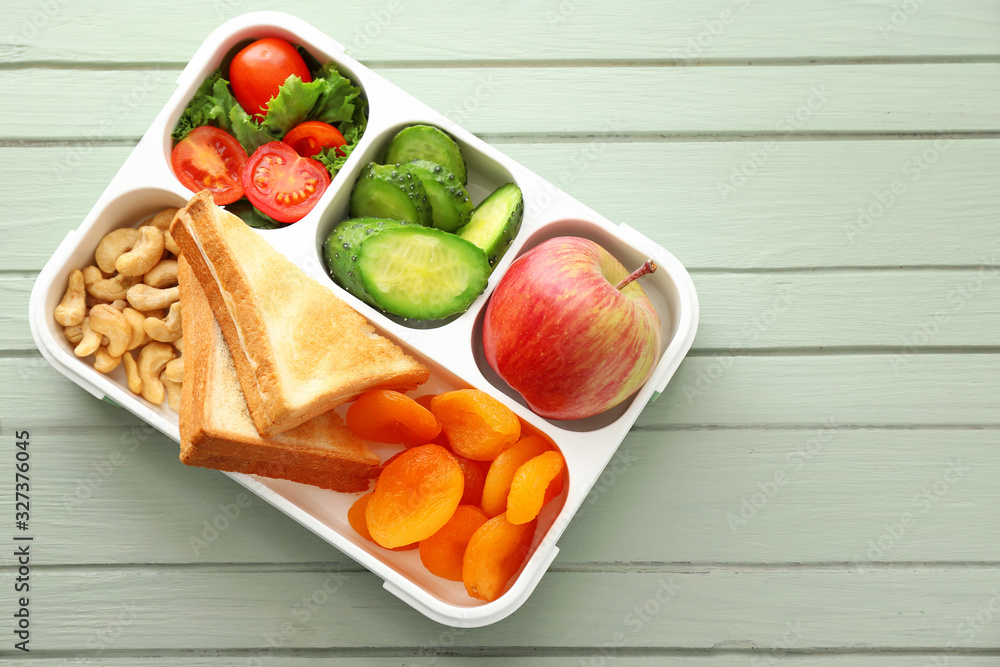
(247,131)
(201,110)
(292,104)
(336,103)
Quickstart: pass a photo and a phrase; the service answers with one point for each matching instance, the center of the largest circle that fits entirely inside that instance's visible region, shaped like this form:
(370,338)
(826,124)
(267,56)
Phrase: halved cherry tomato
(210,158)
(281,184)
(312,136)
(257,72)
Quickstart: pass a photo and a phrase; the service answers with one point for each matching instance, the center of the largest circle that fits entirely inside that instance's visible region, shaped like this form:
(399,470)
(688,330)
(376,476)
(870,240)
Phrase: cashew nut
(119,304)
(144,254)
(90,341)
(104,362)
(152,359)
(115,243)
(173,392)
(170,244)
(168,329)
(174,370)
(143,297)
(73,307)
(107,289)
(74,334)
(179,344)
(163,274)
(162,219)
(132,373)
(135,320)
(109,322)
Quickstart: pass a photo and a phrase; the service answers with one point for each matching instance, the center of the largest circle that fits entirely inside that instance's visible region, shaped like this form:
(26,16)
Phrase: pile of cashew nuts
(125,309)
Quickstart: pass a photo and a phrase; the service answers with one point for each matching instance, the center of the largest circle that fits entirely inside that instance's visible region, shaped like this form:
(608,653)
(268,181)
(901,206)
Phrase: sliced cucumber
(340,251)
(390,191)
(421,273)
(495,222)
(426,142)
(451,205)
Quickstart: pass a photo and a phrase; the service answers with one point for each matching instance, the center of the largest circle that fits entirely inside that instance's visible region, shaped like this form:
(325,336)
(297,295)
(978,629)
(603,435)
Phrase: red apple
(560,332)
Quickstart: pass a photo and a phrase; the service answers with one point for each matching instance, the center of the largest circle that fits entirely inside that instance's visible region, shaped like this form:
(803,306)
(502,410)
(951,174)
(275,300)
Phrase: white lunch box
(453,352)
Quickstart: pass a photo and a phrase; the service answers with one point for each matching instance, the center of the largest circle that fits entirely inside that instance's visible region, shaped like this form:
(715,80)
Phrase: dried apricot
(529,486)
(477,425)
(384,415)
(356,517)
(503,469)
(495,552)
(442,553)
(475,478)
(415,496)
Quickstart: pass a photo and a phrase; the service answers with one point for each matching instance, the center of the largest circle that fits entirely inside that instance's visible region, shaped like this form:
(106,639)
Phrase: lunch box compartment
(145,184)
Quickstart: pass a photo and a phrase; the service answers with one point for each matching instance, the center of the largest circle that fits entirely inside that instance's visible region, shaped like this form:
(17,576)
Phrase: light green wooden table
(818,487)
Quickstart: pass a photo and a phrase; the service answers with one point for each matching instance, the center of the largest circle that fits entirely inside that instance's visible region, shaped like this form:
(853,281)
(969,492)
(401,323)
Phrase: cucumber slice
(390,191)
(422,273)
(451,205)
(340,251)
(426,142)
(495,222)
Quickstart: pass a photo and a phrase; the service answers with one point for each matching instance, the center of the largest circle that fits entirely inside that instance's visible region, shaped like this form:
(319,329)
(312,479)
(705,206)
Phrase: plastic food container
(145,184)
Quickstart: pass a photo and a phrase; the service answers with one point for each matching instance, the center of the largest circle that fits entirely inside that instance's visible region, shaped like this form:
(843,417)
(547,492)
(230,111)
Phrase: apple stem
(648,267)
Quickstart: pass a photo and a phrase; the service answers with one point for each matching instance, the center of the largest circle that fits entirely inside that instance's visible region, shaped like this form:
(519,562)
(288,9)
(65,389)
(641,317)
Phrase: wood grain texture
(603,655)
(721,608)
(744,205)
(816,496)
(650,101)
(525,30)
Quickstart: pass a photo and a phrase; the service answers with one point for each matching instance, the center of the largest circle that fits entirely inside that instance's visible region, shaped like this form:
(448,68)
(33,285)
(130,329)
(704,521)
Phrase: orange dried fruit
(475,478)
(495,552)
(356,517)
(443,552)
(477,425)
(415,496)
(384,415)
(503,469)
(530,484)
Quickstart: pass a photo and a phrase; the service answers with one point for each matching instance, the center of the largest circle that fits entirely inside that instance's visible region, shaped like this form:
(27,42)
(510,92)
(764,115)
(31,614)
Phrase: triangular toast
(299,350)
(215,424)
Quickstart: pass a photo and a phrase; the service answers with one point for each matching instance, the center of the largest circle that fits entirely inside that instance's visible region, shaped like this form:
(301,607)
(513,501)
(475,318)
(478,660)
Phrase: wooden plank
(902,310)
(760,610)
(719,391)
(939,98)
(528,656)
(745,496)
(803,204)
(523,30)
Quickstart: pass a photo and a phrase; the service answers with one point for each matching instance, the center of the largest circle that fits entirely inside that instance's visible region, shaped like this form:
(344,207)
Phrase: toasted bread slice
(299,350)
(215,424)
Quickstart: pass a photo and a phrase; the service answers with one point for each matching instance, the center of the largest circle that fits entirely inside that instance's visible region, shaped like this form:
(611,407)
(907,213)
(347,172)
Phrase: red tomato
(312,136)
(210,158)
(258,71)
(281,184)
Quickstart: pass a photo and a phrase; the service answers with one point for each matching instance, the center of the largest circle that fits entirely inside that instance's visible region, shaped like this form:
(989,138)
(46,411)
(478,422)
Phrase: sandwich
(215,424)
(299,351)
